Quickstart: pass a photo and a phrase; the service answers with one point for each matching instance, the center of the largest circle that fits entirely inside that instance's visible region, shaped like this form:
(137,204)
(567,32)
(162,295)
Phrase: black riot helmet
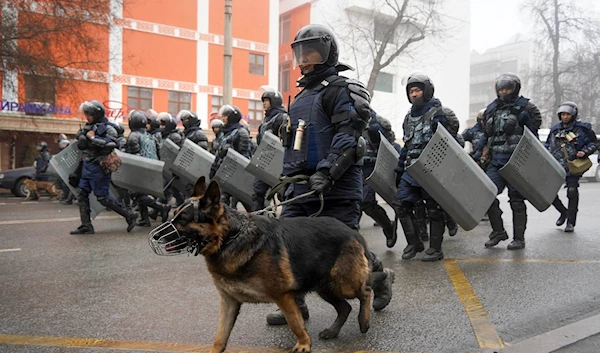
(419,79)
(188,118)
(233,114)
(137,120)
(167,122)
(42,145)
(568,107)
(273,96)
(508,81)
(152,119)
(315,38)
(94,109)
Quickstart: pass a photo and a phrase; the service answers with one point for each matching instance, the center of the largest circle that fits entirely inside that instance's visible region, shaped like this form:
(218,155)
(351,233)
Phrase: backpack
(148,146)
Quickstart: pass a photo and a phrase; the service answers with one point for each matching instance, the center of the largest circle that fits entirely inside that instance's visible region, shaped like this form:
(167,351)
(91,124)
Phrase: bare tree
(387,30)
(569,37)
(45,40)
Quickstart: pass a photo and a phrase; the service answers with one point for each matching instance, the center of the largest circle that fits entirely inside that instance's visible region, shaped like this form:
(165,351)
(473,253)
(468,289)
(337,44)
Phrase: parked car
(13,179)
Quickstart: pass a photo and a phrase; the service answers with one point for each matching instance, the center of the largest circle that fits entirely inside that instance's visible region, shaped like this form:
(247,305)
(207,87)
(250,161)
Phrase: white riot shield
(383,178)
(233,177)
(267,162)
(453,179)
(534,172)
(191,163)
(139,174)
(168,152)
(64,164)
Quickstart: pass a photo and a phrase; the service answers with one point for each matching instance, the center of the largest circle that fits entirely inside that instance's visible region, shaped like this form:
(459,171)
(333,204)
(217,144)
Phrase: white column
(273,69)
(202,103)
(10,82)
(115,52)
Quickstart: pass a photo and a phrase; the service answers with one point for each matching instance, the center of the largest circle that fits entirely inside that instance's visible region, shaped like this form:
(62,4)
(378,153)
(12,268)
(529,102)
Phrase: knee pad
(572,192)
(518,206)
(103,201)
(403,208)
(83,197)
(368,206)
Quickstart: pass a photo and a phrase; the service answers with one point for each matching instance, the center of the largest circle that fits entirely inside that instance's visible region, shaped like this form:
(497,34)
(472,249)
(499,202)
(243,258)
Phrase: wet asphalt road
(58,289)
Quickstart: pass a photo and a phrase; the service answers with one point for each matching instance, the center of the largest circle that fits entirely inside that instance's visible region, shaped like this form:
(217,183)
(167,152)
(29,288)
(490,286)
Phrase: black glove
(320,182)
(223,150)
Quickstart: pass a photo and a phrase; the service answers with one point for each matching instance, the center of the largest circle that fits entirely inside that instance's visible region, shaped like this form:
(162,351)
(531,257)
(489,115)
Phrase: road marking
(50,220)
(484,329)
(140,346)
(548,261)
(9,250)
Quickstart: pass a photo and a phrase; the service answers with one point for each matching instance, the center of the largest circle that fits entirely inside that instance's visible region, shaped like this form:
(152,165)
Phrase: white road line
(9,250)
(51,220)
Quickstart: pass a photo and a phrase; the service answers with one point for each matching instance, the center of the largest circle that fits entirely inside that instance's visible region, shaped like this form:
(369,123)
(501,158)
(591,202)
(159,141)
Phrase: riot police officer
(97,139)
(476,136)
(67,196)
(216,125)
(193,131)
(169,130)
(321,141)
(377,124)
(42,161)
(153,126)
(506,119)
(420,124)
(568,140)
(275,114)
(141,143)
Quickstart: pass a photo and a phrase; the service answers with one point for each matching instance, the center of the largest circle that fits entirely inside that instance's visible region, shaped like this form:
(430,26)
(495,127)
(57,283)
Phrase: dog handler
(321,142)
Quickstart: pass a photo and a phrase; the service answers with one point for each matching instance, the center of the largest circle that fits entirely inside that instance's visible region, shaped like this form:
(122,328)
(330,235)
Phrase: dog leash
(285,182)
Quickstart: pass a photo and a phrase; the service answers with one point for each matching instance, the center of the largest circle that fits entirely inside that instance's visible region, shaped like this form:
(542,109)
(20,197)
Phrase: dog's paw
(301,348)
(364,326)
(328,334)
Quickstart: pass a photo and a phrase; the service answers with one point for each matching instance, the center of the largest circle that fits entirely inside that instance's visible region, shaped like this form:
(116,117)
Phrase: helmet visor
(506,84)
(310,52)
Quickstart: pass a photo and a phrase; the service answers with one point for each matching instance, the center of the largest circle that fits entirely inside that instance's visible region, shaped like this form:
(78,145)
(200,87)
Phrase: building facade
(445,61)
(160,54)
(515,56)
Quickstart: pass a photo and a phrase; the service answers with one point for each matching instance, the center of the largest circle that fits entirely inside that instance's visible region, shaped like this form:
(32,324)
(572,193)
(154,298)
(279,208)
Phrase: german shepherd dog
(34,186)
(257,259)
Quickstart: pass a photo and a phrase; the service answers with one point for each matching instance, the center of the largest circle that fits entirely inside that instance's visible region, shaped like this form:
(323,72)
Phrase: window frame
(254,66)
(181,104)
(255,111)
(139,98)
(377,86)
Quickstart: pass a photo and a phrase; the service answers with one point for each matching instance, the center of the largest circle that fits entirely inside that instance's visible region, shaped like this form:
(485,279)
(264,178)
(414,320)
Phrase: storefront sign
(35,108)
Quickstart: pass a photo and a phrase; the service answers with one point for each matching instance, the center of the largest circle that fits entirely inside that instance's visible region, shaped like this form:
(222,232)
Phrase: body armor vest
(417,133)
(558,137)
(318,131)
(499,140)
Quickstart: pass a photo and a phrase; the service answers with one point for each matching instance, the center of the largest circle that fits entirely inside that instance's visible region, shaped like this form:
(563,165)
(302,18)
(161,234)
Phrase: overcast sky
(495,22)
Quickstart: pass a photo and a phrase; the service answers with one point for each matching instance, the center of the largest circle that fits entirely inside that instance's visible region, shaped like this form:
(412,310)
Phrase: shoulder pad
(583,124)
(358,88)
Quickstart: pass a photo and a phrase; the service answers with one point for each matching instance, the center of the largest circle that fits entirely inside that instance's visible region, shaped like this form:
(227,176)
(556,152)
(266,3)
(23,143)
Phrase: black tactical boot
(381,283)
(162,209)
(84,214)
(421,221)
(130,216)
(519,225)
(573,195)
(498,234)
(258,202)
(276,317)
(451,224)
(389,229)
(560,207)
(144,221)
(404,212)
(437,227)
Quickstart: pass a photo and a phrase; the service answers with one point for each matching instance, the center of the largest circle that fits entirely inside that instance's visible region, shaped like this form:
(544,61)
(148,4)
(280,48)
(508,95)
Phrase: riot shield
(191,163)
(168,153)
(233,177)
(267,162)
(96,207)
(453,179)
(534,172)
(139,174)
(64,164)
(383,178)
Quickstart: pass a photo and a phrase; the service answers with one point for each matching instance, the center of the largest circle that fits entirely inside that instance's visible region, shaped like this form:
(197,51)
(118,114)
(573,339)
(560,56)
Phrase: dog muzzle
(165,240)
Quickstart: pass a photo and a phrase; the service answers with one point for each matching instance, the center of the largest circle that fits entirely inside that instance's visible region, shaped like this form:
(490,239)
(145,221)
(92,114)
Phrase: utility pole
(227,57)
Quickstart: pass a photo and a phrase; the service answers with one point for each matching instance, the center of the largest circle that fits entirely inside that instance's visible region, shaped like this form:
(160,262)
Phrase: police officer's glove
(223,150)
(320,182)
(398,178)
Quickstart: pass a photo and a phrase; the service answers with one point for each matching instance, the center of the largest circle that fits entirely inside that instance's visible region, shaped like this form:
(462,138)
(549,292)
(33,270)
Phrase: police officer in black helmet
(275,114)
(193,131)
(332,111)
(42,161)
(506,119)
(153,126)
(169,130)
(97,139)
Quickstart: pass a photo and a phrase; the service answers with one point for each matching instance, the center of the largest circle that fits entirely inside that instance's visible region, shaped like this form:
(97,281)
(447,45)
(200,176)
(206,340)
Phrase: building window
(284,77)
(40,89)
(179,101)
(381,27)
(255,111)
(284,29)
(216,102)
(139,98)
(384,82)
(257,64)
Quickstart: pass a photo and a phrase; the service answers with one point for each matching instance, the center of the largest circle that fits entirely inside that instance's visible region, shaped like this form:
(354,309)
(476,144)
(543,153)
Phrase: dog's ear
(213,193)
(200,187)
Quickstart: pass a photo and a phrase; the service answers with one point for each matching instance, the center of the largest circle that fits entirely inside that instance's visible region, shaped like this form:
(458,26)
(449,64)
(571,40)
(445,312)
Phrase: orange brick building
(160,54)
